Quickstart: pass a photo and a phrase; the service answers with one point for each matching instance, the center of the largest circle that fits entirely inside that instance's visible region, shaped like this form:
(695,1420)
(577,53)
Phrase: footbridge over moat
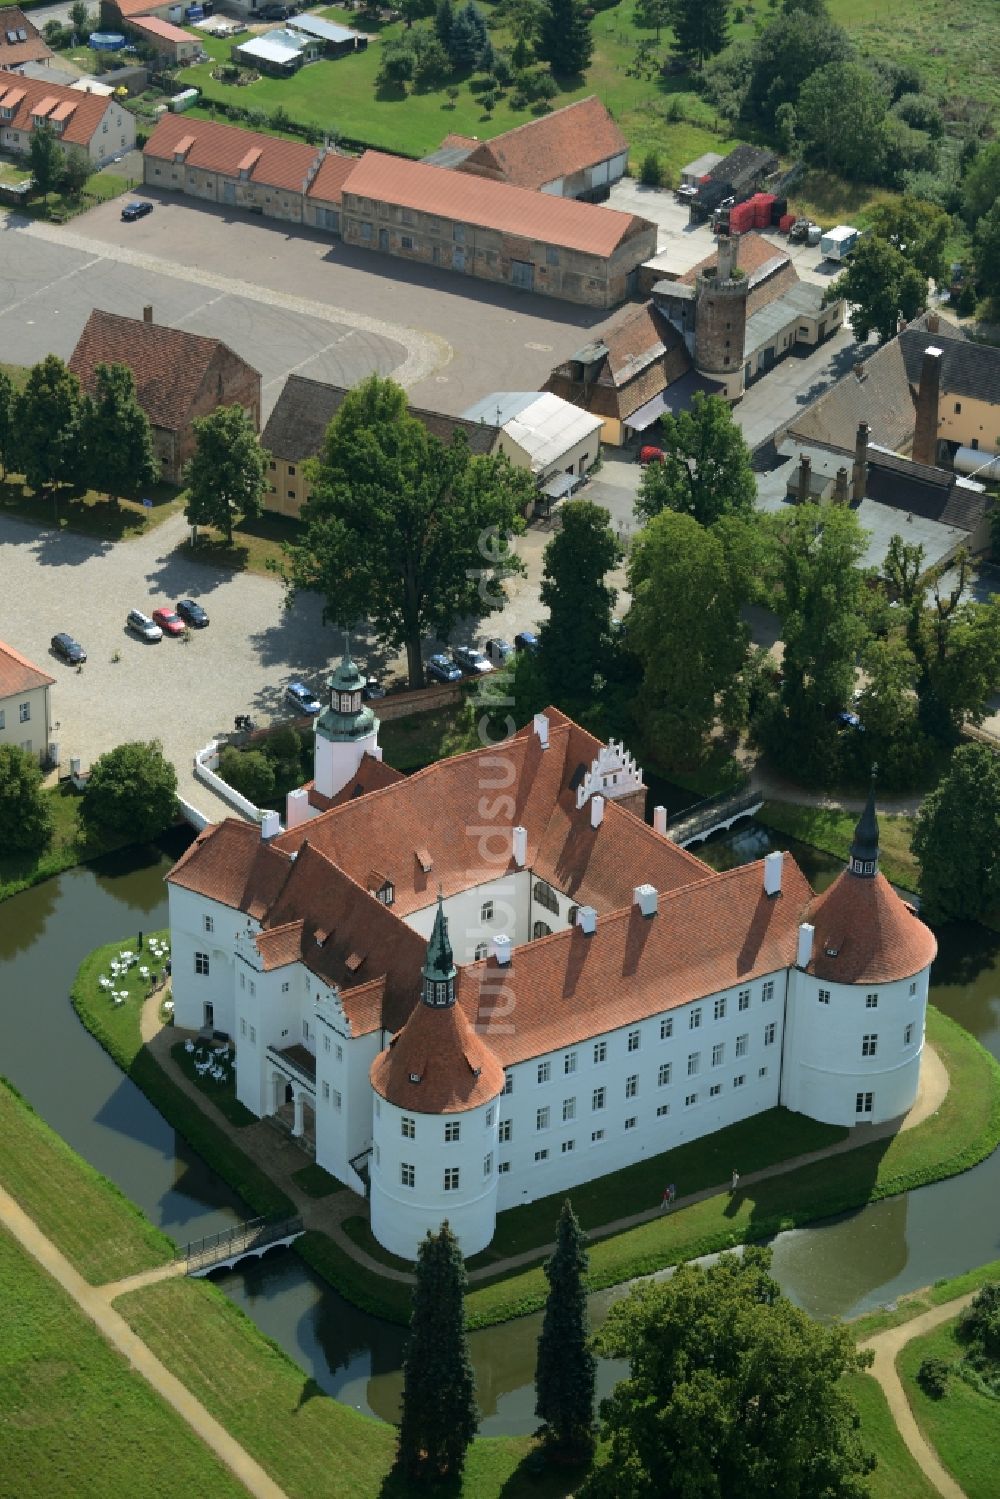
(715,815)
(247,1240)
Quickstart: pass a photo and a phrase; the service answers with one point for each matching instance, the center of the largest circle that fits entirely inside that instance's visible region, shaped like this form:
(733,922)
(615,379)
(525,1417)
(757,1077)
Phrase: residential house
(551,438)
(25,714)
(179,376)
(86,125)
(163,37)
(574,152)
(115,14)
(296,430)
(20,40)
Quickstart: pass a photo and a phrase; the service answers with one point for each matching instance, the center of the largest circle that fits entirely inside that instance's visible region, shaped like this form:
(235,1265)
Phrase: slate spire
(864,849)
(439,964)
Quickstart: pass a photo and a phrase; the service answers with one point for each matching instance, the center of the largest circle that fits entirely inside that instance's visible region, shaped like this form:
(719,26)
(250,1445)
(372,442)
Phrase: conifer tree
(564,40)
(576,636)
(444,20)
(564,1375)
(439,1417)
(701,27)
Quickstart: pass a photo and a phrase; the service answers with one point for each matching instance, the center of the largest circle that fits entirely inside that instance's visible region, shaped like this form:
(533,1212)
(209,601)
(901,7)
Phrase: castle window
(451,1178)
(694,1063)
(568,1109)
(486,911)
(666,1028)
(340,1053)
(720,1009)
(567,1146)
(201,963)
(715,1090)
(600,1051)
(407,1174)
(488,1165)
(908,1035)
(503,1168)
(742,1045)
(253,1035)
(718,1053)
(506,1130)
(913,988)
(664,1074)
(408,1128)
(958,408)
(863,1103)
(508,1082)
(544,1071)
(569,1062)
(541,1155)
(634,1038)
(285,987)
(762,1072)
(739,1081)
(598,1098)
(452,1130)
(326,1043)
(767,991)
(209,923)
(326,1091)
(869,1045)
(541,929)
(769,1033)
(823,996)
(572,914)
(489,1117)
(871,1001)
(662,1110)
(243,1027)
(542,1117)
(690,1100)
(632,1085)
(744,1003)
(631,1123)
(546,896)
(694,1020)
(482,948)
(596,1137)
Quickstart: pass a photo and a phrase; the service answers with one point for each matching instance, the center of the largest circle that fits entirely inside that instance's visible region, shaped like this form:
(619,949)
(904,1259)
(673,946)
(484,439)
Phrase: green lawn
(833,832)
(897,1475)
(963,1427)
(17,373)
(221,1095)
(312,1446)
(98,1230)
(918,1302)
(87,512)
(75,1421)
(10,171)
(316,1182)
(256,546)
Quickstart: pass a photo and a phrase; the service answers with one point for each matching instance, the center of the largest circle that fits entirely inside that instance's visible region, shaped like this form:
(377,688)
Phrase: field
(99,1231)
(77,1422)
(962,1426)
(897,1475)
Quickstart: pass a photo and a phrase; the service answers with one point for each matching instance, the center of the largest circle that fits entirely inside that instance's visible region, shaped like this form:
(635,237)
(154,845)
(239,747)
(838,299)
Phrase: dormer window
(387,894)
(414,1077)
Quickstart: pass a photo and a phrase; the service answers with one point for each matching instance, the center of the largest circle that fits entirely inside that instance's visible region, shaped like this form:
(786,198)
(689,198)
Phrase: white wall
(824,1066)
(189,935)
(653,1133)
(402,1215)
(336,762)
(343,1093)
(33,734)
(515,912)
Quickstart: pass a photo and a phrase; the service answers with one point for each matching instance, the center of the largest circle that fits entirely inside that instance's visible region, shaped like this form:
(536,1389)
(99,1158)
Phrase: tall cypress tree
(564,39)
(439,1417)
(564,1376)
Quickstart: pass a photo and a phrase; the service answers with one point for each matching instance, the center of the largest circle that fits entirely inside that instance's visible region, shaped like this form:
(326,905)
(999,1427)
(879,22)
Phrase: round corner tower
(721,316)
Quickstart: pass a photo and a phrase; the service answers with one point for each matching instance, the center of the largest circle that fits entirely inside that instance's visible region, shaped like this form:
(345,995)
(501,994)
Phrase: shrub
(250,773)
(24,813)
(285,745)
(932,1377)
(920,112)
(131,792)
(979,1324)
(651,171)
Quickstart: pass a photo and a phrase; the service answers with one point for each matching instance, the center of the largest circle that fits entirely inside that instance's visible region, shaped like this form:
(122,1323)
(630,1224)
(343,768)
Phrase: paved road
(113,1326)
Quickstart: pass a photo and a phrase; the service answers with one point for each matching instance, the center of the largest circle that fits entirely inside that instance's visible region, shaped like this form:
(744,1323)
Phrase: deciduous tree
(24,813)
(403,530)
(957,837)
(250,772)
(706,472)
(685,628)
(8,400)
(981,188)
(45,159)
(788,50)
(439,1416)
(652,15)
(839,116)
(882,287)
(225,479)
(700,27)
(75,174)
(917,230)
(116,435)
(564,38)
(576,636)
(131,793)
(564,1375)
(47,421)
(986,249)
(732,1391)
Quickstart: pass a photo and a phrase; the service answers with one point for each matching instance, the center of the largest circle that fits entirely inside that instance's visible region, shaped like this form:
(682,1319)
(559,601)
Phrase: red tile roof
(558,145)
(437,1065)
(26,94)
(866,933)
(221,148)
(492,205)
(129,8)
(169,364)
(232,863)
(32,49)
(328,184)
(153,26)
(372,776)
(708,937)
(18,674)
(754,251)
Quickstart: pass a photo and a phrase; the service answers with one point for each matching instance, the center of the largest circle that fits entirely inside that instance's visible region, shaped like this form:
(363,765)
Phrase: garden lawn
(897,1475)
(832,831)
(256,546)
(316,1182)
(963,1425)
(221,1095)
(117,1029)
(77,1422)
(100,1232)
(86,511)
(314,1447)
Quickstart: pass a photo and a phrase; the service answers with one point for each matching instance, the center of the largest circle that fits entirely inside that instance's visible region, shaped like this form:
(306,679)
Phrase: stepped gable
(345,935)
(428,830)
(707,938)
(866,933)
(230,863)
(437,1065)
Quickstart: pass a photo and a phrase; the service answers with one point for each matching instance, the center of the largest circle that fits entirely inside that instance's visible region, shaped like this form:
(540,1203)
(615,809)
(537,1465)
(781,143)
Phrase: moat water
(839,1268)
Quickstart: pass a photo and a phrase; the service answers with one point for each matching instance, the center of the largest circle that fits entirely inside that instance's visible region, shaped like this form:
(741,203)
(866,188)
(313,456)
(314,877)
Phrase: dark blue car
(443,669)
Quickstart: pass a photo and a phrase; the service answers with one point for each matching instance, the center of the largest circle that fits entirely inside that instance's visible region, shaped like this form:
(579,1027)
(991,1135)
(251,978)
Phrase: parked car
(498,650)
(373,690)
(140,624)
(527,640)
(471,659)
(192,614)
(68,649)
(169,622)
(848,719)
(306,701)
(650,454)
(444,669)
(137,209)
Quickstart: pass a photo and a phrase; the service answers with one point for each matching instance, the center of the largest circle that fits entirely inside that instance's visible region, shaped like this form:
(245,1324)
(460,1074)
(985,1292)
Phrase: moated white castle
(491,981)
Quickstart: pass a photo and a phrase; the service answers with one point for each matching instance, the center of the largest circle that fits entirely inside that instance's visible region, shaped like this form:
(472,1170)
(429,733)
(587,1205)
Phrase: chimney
(541,728)
(805,466)
(520,849)
(803,957)
(147,314)
(660,821)
(645,897)
(859,473)
(501,949)
(729,245)
(859,369)
(270,825)
(586,920)
(596,811)
(933,323)
(840,489)
(925,432)
(772,872)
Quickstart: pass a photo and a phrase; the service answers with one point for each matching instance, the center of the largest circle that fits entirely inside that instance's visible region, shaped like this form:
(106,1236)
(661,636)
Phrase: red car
(648,455)
(169,622)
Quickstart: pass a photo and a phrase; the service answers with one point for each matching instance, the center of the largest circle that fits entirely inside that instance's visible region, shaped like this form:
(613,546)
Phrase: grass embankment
(117,1029)
(963,1132)
(897,1475)
(962,1426)
(77,1422)
(832,831)
(100,1232)
(68,845)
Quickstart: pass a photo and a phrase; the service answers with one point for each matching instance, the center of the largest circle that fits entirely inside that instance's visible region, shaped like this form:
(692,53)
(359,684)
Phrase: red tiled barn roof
(220,148)
(540,151)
